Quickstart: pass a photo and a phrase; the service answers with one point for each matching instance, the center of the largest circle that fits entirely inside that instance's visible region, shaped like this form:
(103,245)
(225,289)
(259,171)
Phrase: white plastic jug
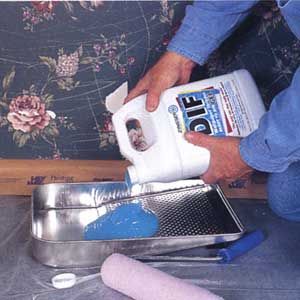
(227,105)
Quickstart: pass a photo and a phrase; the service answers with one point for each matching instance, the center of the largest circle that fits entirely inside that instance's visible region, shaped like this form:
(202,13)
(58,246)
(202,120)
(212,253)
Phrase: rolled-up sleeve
(206,25)
(276,142)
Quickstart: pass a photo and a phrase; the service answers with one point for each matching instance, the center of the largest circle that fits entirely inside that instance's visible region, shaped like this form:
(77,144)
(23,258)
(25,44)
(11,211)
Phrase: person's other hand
(225,159)
(171,69)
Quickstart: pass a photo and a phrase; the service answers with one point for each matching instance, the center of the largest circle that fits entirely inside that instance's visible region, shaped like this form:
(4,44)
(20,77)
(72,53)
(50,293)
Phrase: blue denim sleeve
(276,142)
(206,25)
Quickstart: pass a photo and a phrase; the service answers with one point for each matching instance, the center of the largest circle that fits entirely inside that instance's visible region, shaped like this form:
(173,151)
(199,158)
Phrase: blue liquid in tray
(125,222)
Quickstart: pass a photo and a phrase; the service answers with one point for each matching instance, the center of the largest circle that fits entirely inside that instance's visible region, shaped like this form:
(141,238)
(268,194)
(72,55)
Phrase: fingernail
(151,107)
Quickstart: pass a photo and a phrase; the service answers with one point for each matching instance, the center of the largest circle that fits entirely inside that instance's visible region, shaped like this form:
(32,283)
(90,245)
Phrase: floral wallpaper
(265,46)
(59,60)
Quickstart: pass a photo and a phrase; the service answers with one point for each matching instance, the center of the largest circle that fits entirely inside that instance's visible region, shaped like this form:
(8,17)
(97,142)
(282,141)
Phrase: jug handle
(133,109)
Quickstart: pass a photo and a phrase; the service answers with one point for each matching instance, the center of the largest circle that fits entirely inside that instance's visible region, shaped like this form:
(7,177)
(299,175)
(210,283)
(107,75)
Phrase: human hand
(172,69)
(225,159)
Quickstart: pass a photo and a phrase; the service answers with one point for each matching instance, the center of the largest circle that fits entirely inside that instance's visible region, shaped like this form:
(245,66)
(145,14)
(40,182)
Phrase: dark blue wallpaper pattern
(59,60)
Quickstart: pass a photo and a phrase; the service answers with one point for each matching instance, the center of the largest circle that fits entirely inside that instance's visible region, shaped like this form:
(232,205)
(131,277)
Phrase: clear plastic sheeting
(270,271)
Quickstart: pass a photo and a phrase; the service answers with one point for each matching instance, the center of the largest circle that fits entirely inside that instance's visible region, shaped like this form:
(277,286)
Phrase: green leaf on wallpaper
(70,9)
(67,83)
(122,43)
(103,37)
(4,104)
(113,64)
(112,139)
(23,139)
(28,27)
(87,60)
(153,17)
(20,138)
(68,6)
(32,90)
(17,135)
(171,13)
(163,19)
(70,126)
(54,131)
(34,134)
(47,99)
(8,78)
(51,130)
(80,50)
(3,121)
(60,51)
(103,144)
(84,4)
(49,62)
(61,84)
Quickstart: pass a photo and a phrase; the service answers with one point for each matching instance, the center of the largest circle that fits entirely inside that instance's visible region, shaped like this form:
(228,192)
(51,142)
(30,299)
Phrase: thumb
(199,139)
(209,177)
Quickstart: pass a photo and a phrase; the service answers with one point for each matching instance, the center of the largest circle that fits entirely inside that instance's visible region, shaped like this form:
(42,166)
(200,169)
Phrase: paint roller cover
(142,282)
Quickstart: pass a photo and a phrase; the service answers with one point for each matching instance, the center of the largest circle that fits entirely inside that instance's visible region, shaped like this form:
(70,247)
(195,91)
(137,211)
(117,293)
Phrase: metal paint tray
(190,214)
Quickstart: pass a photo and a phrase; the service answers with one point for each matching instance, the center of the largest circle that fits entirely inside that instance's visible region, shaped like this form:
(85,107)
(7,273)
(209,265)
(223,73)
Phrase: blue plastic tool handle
(241,246)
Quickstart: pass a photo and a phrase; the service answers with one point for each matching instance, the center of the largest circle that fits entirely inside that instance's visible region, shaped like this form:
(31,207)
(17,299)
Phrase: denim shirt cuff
(282,3)
(256,153)
(193,44)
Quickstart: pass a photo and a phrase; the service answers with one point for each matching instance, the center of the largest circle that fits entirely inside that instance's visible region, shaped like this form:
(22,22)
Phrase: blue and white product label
(173,110)
(235,110)
(201,112)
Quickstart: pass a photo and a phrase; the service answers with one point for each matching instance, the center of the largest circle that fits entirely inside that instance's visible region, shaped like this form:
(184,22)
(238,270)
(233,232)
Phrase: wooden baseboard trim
(20,177)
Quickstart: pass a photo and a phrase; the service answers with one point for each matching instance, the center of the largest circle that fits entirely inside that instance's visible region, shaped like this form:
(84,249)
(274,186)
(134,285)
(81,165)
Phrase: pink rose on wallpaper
(27,113)
(44,6)
(137,139)
(90,5)
(93,3)
(97,3)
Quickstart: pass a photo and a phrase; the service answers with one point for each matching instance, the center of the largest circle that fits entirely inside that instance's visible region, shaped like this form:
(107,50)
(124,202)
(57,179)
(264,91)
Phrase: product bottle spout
(131,177)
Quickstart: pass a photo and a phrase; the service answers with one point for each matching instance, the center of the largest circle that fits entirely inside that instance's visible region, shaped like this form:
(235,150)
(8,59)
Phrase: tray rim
(242,231)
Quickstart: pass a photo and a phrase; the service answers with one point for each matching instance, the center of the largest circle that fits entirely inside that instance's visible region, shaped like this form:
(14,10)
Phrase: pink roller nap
(142,282)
